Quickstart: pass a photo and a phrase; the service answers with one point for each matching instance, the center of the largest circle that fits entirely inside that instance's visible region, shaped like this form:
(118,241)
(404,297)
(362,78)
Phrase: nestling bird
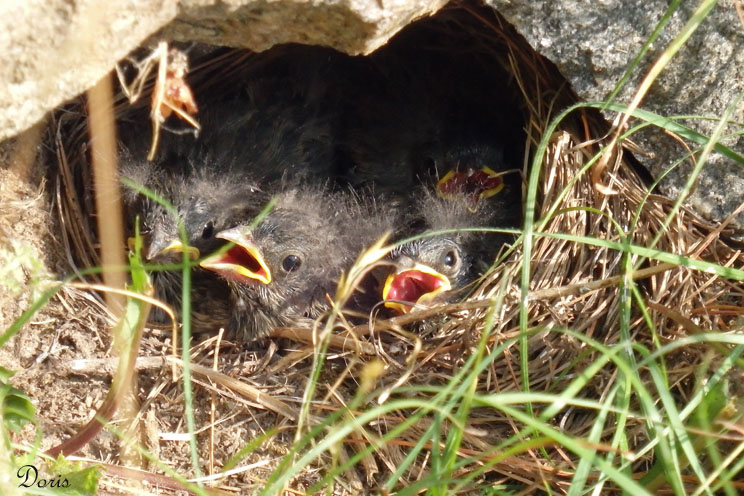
(473,171)
(245,143)
(462,186)
(214,186)
(281,271)
(263,132)
(205,202)
(439,267)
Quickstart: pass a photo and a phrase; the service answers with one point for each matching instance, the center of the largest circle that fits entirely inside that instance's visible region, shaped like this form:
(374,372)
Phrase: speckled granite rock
(593,43)
(52,50)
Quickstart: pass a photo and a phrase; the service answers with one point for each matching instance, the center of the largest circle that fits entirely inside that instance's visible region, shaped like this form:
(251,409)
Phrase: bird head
(426,270)
(163,241)
(205,203)
(473,184)
(469,172)
(436,266)
(291,258)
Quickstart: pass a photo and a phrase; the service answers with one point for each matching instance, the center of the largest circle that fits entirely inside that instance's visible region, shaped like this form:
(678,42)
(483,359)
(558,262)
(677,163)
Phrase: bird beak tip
(174,247)
(238,235)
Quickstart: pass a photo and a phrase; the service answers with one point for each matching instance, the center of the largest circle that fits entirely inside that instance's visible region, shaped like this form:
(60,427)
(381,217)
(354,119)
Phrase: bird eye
(291,262)
(450,259)
(208,230)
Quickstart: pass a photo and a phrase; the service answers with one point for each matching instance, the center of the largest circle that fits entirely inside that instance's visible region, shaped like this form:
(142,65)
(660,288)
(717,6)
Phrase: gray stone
(593,43)
(52,50)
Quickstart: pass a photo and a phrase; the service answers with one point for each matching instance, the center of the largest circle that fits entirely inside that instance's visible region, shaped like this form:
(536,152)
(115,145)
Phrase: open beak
(174,247)
(242,261)
(475,184)
(418,285)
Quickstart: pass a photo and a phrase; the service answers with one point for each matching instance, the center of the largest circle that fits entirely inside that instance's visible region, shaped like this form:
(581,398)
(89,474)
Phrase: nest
(573,285)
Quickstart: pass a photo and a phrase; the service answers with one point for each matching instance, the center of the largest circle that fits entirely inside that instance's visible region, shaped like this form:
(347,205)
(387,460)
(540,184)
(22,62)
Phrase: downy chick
(439,267)
(282,271)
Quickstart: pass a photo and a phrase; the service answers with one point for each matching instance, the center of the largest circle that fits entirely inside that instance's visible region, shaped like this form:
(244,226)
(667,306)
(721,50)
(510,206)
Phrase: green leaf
(17,407)
(83,482)
(6,374)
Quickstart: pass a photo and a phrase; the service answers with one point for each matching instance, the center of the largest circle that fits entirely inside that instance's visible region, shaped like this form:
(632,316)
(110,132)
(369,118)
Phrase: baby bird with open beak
(266,130)
(439,267)
(283,270)
(272,127)
(205,202)
(473,172)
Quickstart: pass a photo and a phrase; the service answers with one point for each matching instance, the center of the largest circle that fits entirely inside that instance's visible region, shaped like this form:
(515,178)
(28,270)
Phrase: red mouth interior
(471,183)
(237,255)
(412,285)
(455,184)
(479,181)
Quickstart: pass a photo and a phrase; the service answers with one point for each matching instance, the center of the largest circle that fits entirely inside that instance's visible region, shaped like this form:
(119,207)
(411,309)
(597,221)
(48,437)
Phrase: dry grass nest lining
(574,286)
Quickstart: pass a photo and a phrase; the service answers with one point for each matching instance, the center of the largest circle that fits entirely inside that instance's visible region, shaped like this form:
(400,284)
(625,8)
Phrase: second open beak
(167,250)
(475,185)
(417,285)
(242,261)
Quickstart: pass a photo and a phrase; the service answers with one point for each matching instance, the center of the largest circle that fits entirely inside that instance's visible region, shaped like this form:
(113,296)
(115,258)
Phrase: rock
(592,46)
(52,50)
